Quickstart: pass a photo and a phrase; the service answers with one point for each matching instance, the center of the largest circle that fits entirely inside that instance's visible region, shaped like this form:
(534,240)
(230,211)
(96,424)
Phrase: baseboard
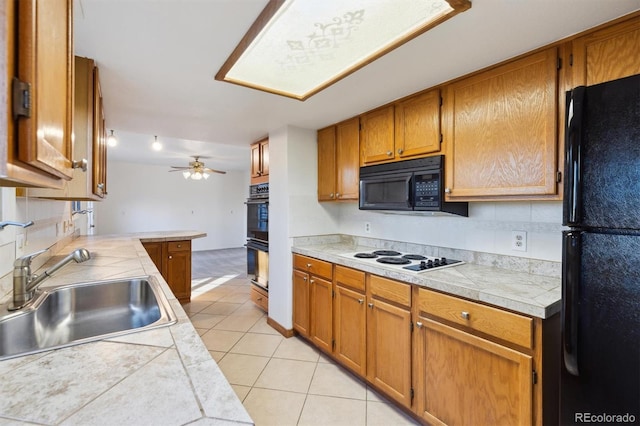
(280,329)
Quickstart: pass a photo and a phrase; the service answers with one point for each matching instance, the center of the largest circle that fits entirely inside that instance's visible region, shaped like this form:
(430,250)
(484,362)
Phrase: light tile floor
(280,381)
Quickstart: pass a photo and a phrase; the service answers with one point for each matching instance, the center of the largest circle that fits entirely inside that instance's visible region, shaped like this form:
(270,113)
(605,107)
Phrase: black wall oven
(258,235)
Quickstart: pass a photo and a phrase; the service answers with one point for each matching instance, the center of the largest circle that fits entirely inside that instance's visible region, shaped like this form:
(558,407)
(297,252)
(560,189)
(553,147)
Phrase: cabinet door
(264,157)
(389,350)
(501,131)
(45,61)
(417,127)
(461,379)
(321,313)
(99,141)
(377,136)
(301,302)
(255,160)
(327,164)
(607,54)
(351,326)
(177,268)
(154,250)
(347,165)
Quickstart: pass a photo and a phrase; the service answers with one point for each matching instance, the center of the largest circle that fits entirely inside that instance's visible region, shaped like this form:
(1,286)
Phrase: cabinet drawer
(179,245)
(504,325)
(347,277)
(394,291)
(313,266)
(260,298)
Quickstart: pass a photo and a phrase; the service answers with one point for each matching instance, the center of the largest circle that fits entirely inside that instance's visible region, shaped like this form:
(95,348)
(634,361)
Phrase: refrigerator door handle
(571,245)
(573,161)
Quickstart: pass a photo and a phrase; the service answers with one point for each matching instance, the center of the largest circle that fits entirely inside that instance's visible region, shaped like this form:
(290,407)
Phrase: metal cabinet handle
(370,305)
(465,315)
(447,190)
(309,265)
(337,195)
(361,301)
(418,324)
(400,151)
(311,281)
(304,278)
(170,257)
(389,153)
(331,195)
(179,245)
(82,164)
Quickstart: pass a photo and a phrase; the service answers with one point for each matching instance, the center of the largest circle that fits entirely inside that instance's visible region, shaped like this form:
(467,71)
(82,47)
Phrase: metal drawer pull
(465,315)
(361,301)
(418,324)
(370,305)
(308,265)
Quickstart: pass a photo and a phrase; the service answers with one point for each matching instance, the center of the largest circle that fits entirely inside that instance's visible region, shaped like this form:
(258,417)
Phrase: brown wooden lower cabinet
(260,297)
(441,358)
(173,260)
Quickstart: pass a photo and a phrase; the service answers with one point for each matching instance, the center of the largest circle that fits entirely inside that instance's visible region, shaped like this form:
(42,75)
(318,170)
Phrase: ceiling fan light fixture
(157,146)
(205,175)
(196,176)
(112,140)
(296,48)
(186,174)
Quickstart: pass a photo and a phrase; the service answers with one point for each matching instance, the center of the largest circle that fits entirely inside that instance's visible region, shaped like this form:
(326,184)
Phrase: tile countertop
(534,295)
(163,376)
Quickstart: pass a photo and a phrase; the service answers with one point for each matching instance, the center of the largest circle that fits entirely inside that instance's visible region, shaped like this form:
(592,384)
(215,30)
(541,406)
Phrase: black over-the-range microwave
(407,185)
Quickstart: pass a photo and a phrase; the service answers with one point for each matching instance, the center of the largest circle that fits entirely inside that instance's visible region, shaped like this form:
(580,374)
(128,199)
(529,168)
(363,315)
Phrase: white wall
(293,210)
(487,229)
(145,198)
(52,223)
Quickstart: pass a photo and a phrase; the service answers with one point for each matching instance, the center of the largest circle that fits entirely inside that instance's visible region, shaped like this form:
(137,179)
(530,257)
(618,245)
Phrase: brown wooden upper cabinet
(607,54)
(417,125)
(89,144)
(409,128)
(37,41)
(260,162)
(500,130)
(338,165)
(377,136)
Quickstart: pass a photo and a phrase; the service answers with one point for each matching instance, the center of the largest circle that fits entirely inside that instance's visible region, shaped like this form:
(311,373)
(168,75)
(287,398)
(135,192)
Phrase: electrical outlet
(367,227)
(519,240)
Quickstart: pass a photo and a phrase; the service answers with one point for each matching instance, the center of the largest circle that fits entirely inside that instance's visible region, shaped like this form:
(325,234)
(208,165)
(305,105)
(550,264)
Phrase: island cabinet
(37,93)
(173,260)
(500,130)
(260,162)
(313,300)
(389,337)
(475,364)
(350,319)
(338,166)
(607,54)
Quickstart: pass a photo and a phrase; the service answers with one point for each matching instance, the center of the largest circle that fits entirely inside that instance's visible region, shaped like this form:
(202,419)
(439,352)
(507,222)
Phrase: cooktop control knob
(443,261)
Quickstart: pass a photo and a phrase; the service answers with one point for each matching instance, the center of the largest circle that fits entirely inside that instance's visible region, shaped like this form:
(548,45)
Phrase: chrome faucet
(25,283)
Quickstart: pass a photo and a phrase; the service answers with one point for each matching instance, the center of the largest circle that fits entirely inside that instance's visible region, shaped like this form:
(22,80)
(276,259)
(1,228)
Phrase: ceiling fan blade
(179,168)
(207,169)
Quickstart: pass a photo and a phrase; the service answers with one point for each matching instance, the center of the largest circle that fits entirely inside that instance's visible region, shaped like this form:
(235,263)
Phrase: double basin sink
(72,314)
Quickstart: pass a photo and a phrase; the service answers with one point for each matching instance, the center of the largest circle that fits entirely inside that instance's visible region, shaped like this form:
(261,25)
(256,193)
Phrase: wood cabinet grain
(350,319)
(173,260)
(260,162)
(500,128)
(338,166)
(37,41)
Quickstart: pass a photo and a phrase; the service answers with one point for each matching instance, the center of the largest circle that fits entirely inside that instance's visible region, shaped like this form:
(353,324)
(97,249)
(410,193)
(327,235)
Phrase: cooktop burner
(409,262)
(414,257)
(393,260)
(365,255)
(387,253)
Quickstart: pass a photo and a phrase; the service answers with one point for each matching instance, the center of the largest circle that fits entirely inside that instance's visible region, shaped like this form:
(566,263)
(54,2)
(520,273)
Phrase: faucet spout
(25,283)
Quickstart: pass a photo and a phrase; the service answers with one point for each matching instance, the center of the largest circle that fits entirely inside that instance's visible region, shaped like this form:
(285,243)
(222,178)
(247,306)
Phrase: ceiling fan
(196,169)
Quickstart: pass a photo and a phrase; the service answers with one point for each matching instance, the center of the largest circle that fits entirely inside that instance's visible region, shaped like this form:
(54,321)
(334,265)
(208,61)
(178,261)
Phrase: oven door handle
(256,245)
(257,201)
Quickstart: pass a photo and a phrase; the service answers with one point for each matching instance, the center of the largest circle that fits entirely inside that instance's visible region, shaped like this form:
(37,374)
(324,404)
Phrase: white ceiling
(157,59)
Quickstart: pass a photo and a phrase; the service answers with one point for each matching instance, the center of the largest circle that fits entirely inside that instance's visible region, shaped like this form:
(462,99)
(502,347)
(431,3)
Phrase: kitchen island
(163,376)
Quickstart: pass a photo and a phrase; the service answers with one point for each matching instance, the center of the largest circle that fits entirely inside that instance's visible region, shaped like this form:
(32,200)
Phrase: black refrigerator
(600,372)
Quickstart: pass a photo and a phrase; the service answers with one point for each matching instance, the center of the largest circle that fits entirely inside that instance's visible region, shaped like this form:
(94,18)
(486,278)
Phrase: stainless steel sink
(79,313)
